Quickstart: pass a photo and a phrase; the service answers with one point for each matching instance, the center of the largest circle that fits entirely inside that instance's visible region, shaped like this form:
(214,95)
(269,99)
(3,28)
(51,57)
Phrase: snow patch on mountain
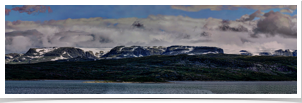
(57,58)
(44,50)
(190,49)
(134,48)
(35,56)
(121,48)
(96,50)
(210,53)
(10,57)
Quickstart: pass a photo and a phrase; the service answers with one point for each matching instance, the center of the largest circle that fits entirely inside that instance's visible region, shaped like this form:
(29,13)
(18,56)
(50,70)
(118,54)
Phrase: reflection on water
(177,87)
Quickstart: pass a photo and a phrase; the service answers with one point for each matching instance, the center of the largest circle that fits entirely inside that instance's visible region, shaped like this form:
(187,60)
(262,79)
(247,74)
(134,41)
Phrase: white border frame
(157,2)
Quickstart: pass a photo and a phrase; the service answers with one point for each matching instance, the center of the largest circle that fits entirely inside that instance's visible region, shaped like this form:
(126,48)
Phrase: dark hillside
(210,67)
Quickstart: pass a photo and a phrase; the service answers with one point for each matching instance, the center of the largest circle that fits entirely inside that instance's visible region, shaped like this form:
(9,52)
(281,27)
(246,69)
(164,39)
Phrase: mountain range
(63,54)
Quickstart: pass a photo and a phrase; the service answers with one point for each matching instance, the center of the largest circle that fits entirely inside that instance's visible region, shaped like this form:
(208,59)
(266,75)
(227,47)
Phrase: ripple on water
(177,87)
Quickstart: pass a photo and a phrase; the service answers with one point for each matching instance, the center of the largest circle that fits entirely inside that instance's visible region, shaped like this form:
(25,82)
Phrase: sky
(61,12)
(268,27)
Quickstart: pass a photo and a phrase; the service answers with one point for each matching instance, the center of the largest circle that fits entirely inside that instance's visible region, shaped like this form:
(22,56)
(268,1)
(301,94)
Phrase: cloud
(258,13)
(251,17)
(231,42)
(18,44)
(34,33)
(197,7)
(20,25)
(16,39)
(29,9)
(277,23)
(73,38)
(286,10)
(7,11)
(194,8)
(159,31)
(266,7)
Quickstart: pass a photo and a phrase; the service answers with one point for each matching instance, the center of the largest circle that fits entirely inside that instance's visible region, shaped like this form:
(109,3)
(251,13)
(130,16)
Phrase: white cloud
(19,44)
(177,30)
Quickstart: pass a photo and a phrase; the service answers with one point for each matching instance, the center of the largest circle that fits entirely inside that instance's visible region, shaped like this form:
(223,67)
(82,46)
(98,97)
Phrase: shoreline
(108,81)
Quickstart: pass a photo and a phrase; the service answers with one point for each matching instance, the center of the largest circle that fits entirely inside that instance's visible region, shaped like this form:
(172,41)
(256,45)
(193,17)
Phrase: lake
(176,87)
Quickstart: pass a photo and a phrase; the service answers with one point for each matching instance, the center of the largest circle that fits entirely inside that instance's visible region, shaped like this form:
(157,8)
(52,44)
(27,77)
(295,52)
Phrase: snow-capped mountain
(98,52)
(44,54)
(191,50)
(135,51)
(244,52)
(34,55)
(140,51)
(280,52)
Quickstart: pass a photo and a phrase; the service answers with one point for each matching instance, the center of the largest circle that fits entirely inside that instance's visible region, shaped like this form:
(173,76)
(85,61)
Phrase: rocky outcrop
(191,50)
(134,51)
(295,53)
(89,54)
(69,52)
(288,52)
(280,52)
(141,51)
(12,55)
(244,52)
(265,54)
(51,54)
(39,51)
(99,54)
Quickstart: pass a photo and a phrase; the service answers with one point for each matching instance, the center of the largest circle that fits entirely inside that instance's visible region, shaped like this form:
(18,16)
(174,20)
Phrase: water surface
(176,87)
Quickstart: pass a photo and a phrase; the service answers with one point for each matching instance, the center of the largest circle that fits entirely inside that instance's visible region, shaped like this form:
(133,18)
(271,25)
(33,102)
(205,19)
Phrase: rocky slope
(64,54)
(134,51)
(34,55)
(280,52)
(191,50)
(140,51)
(265,54)
(244,52)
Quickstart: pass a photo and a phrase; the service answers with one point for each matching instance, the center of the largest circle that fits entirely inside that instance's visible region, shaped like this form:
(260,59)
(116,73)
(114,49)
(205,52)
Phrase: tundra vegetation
(161,68)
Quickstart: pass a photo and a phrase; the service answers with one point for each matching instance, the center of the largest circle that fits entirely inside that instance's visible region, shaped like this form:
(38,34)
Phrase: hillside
(207,67)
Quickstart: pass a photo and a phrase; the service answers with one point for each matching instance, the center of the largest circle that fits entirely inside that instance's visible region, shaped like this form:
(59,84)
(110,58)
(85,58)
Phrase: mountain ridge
(44,54)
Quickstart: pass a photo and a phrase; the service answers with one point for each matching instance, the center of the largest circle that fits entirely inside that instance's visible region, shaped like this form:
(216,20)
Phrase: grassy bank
(211,67)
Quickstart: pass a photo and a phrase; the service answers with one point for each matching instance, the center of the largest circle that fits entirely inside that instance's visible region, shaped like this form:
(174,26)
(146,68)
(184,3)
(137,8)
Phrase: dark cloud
(244,40)
(7,11)
(277,23)
(20,41)
(29,9)
(103,39)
